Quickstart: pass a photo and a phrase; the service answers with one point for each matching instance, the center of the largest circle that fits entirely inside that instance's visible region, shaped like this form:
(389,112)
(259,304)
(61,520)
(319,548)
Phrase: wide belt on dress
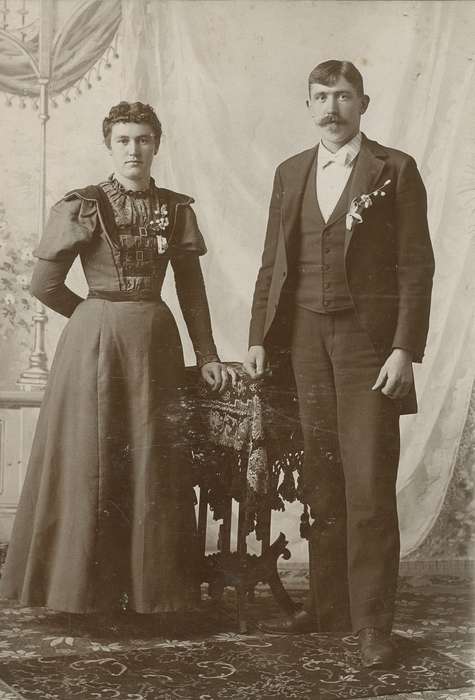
(131,295)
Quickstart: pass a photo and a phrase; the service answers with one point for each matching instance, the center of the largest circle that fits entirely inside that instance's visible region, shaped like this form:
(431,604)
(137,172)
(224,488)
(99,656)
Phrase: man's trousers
(351,442)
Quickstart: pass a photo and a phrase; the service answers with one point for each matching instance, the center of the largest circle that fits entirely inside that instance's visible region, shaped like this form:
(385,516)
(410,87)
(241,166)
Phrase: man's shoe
(376,648)
(298,623)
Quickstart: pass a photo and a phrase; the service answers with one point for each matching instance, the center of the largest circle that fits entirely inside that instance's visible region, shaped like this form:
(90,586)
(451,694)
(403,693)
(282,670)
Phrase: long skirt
(106,516)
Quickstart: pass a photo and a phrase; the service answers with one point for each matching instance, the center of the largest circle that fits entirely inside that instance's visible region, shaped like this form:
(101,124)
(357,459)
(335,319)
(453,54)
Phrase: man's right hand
(255,363)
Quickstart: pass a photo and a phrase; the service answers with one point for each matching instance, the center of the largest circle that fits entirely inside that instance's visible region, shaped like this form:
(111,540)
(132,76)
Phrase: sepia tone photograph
(237,341)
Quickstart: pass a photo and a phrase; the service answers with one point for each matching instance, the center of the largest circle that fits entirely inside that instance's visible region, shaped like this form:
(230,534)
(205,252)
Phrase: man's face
(133,149)
(336,110)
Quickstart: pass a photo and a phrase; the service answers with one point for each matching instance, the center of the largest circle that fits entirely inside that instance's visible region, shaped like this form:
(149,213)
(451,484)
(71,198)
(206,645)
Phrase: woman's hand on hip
(218,375)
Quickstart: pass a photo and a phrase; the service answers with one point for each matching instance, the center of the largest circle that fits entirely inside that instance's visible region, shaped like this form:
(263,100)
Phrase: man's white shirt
(333,171)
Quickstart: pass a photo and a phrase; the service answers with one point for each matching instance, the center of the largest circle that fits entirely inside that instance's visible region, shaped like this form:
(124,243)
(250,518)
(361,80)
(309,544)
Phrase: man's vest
(319,278)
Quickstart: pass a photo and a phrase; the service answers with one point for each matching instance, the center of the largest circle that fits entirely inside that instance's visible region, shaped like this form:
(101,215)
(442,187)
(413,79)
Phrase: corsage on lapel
(362,202)
(158,225)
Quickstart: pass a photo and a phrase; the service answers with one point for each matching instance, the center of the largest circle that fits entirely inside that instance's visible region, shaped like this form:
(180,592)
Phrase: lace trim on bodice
(131,208)
(141,260)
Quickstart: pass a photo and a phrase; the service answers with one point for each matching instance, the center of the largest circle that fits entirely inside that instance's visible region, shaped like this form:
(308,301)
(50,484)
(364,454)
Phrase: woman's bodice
(126,242)
(133,257)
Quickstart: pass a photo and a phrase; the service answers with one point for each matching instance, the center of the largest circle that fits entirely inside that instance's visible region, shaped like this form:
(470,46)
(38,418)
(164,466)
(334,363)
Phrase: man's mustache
(331,119)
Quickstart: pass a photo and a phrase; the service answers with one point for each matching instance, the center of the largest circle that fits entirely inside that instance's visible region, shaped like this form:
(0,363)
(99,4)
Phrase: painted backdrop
(228,79)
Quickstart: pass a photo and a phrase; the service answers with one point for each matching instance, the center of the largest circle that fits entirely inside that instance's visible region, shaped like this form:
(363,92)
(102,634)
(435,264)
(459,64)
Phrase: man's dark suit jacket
(389,261)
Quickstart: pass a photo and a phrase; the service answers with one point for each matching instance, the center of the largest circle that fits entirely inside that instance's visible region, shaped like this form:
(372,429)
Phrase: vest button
(327,250)
(327,285)
(326,303)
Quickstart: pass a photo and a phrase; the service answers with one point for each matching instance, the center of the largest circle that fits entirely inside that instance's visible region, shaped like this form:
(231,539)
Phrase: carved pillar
(36,376)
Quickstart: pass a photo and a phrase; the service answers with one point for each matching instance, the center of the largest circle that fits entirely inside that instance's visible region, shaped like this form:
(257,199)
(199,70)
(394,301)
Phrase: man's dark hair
(328,72)
(135,112)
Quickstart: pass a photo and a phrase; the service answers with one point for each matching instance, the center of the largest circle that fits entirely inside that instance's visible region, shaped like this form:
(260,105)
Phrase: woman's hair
(135,112)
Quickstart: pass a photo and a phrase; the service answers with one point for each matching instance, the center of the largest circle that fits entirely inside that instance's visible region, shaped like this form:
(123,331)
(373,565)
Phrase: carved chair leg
(224,537)
(202,517)
(241,608)
(243,587)
(284,601)
(265,520)
(241,533)
(201,528)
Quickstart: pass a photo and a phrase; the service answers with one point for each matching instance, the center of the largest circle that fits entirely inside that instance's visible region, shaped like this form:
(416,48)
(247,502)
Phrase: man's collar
(344,156)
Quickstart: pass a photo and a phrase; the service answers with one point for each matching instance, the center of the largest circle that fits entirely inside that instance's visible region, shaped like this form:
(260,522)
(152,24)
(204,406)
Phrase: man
(344,289)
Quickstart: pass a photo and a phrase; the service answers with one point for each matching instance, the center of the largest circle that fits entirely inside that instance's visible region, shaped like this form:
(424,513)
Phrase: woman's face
(133,149)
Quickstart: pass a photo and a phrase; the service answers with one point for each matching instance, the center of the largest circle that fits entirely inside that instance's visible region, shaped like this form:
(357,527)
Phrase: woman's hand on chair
(218,375)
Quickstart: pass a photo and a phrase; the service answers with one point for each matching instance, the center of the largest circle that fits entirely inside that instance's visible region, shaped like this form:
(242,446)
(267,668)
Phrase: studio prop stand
(242,456)
(239,569)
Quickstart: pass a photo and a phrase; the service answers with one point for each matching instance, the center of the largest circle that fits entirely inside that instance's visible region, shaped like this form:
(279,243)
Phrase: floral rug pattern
(57,656)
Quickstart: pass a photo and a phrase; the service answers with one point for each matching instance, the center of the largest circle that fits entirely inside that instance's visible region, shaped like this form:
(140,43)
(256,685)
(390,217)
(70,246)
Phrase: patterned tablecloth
(246,444)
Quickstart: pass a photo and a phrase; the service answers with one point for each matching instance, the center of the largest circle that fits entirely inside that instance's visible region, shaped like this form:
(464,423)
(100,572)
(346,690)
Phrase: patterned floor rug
(260,667)
(58,657)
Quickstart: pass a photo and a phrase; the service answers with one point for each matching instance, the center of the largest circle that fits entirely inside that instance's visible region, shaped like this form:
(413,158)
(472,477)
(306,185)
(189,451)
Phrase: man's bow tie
(341,157)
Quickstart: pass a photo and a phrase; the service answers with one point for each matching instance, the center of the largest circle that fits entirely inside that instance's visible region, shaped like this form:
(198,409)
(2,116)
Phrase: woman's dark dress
(106,514)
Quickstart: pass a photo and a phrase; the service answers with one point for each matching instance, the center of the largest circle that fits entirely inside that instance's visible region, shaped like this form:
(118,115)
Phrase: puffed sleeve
(187,237)
(70,226)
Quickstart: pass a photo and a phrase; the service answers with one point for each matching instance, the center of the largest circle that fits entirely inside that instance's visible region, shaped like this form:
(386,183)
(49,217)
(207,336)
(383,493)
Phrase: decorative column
(40,64)
(36,376)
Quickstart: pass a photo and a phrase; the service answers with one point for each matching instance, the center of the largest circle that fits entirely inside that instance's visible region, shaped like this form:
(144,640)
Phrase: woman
(106,517)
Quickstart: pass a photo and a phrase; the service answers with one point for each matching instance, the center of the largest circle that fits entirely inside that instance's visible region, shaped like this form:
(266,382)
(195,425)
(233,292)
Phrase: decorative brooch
(359,204)
(158,224)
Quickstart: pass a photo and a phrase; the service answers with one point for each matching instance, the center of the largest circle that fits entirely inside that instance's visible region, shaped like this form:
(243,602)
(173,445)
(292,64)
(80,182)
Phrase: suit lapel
(368,167)
(295,183)
(342,205)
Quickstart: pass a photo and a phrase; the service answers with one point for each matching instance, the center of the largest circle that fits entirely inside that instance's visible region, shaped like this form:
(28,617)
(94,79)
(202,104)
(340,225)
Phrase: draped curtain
(78,46)
(437,127)
(229,81)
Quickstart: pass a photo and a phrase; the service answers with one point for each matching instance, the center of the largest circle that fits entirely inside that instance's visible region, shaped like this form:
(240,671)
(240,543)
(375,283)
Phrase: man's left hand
(396,378)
